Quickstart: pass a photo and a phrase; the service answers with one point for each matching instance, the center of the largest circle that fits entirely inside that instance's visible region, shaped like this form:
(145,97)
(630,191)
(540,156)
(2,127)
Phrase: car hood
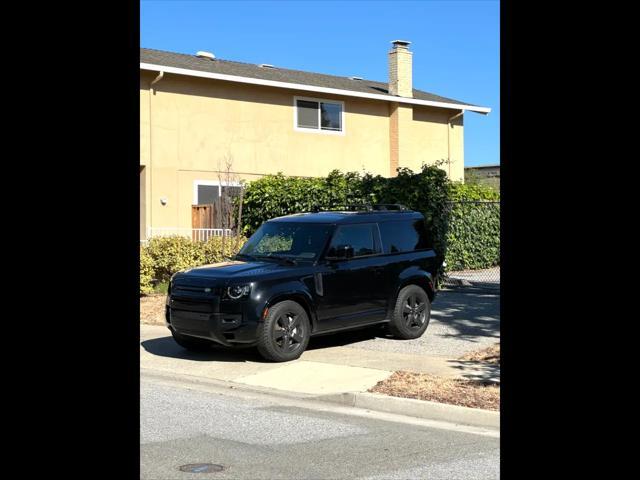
(231,270)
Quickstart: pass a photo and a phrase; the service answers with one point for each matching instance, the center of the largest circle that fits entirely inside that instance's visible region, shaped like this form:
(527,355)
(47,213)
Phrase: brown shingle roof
(228,67)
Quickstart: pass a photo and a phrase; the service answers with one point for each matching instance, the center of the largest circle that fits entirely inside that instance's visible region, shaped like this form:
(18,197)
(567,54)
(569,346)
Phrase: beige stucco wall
(427,138)
(197,123)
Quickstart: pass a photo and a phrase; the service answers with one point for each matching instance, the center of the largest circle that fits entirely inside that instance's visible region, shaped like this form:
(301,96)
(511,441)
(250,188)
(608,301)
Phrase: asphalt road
(268,437)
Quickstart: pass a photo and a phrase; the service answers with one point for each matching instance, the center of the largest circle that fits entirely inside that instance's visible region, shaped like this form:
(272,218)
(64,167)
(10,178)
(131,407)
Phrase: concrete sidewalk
(319,371)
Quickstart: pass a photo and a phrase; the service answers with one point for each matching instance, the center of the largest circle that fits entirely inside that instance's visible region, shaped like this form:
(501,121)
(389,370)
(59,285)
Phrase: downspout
(449,125)
(151,92)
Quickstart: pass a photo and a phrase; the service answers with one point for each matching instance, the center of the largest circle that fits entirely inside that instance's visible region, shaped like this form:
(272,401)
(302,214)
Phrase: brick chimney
(400,69)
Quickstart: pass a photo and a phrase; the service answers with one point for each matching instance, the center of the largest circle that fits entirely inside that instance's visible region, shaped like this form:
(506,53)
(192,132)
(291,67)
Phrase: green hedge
(473,227)
(275,195)
(161,257)
(466,236)
(473,236)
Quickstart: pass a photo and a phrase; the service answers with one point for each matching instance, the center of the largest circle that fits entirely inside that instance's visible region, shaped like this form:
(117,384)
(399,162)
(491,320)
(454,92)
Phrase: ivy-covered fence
(473,235)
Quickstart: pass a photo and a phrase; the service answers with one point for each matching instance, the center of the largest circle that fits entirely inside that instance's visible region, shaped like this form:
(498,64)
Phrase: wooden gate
(210,216)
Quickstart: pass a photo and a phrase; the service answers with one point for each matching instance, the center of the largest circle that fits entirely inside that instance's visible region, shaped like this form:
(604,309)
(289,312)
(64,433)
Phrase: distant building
(485,174)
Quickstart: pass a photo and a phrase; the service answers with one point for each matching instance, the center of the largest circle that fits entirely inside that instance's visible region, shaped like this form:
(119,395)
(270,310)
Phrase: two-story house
(198,112)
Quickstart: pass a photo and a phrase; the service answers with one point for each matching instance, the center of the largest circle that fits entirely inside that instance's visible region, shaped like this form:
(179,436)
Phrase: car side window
(360,237)
(404,236)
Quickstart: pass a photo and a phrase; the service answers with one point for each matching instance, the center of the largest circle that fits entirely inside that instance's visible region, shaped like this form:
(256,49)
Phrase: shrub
(164,256)
(274,195)
(171,254)
(472,191)
(473,237)
(146,271)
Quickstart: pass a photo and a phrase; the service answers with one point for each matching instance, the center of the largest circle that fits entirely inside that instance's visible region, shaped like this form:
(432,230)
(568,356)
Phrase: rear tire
(191,343)
(411,314)
(285,333)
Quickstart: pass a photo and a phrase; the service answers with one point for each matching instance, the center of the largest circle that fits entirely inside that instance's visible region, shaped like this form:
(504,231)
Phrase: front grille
(195,289)
(193,305)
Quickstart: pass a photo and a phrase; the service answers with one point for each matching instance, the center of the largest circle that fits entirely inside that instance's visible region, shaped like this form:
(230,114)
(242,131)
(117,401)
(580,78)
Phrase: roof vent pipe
(208,55)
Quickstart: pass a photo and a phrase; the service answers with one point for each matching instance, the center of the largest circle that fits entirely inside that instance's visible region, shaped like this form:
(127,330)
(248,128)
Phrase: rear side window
(404,236)
(360,237)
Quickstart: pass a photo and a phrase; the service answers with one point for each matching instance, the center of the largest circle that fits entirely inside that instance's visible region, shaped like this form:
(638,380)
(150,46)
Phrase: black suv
(310,274)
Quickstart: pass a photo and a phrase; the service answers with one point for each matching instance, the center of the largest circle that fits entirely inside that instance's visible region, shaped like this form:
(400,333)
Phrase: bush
(473,234)
(164,256)
(467,236)
(172,254)
(472,192)
(473,237)
(146,271)
(274,195)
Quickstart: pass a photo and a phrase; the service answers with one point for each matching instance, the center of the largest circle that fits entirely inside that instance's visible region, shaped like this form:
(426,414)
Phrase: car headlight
(238,291)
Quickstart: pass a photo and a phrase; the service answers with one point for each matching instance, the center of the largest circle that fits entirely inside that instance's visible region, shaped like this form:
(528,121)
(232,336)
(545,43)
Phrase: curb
(417,408)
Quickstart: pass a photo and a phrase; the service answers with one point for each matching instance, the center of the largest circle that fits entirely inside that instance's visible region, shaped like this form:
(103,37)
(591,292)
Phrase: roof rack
(363,208)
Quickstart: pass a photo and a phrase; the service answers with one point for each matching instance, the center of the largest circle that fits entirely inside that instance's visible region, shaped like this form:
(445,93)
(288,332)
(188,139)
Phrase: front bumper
(224,328)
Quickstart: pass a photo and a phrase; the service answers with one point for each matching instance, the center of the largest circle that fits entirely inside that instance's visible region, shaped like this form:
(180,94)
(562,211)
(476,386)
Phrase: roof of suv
(349,217)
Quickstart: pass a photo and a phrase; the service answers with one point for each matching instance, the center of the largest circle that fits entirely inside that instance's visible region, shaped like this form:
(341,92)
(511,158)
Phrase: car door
(353,292)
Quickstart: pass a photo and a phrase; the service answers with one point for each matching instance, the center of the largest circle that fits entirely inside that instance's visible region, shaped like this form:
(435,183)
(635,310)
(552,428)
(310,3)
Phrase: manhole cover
(201,468)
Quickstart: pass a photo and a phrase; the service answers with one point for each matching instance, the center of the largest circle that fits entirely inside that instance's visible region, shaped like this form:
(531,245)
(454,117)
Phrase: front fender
(293,290)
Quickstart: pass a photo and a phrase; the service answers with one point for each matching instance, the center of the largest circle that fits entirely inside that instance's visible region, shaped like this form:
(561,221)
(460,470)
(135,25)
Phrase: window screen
(307,114)
(319,115)
(230,191)
(208,194)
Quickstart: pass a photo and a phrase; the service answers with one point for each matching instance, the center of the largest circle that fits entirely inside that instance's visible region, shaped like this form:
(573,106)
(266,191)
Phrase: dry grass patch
(422,386)
(489,355)
(152,309)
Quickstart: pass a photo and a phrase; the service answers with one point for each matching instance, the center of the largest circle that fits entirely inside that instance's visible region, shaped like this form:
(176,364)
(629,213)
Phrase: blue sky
(455,44)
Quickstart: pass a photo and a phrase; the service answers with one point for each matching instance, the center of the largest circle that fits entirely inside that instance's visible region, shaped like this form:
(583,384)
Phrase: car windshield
(300,241)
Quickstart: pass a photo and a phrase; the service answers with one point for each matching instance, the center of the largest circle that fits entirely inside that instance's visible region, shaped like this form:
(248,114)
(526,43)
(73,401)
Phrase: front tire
(191,343)
(285,333)
(411,314)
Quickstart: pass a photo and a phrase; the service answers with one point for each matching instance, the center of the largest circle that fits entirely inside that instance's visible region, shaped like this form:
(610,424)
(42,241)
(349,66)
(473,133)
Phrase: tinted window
(403,236)
(360,237)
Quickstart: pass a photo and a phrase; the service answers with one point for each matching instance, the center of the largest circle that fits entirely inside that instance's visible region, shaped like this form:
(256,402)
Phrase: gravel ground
(152,309)
(463,319)
(488,275)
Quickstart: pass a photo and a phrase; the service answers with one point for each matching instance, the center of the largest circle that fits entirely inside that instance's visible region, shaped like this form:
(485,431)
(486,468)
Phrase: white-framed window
(207,191)
(317,115)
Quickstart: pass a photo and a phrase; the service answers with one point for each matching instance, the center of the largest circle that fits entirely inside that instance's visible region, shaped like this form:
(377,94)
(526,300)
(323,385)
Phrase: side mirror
(341,252)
